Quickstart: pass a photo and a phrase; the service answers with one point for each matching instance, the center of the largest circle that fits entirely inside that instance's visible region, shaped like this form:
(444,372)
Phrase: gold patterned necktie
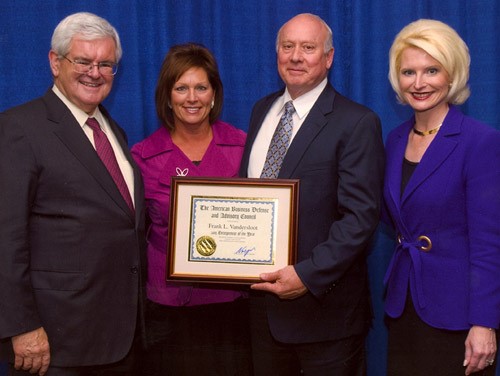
(107,155)
(279,144)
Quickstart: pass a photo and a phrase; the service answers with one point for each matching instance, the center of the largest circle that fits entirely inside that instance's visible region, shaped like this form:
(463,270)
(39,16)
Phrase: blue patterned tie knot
(279,144)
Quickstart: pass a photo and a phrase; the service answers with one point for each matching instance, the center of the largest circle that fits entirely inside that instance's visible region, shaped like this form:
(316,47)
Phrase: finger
(27,363)
(470,369)
(18,362)
(45,365)
(265,286)
(36,364)
(476,366)
(475,363)
(489,361)
(269,277)
(468,353)
(475,358)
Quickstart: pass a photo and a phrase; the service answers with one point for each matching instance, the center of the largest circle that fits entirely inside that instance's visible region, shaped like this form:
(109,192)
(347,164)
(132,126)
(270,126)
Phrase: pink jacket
(159,159)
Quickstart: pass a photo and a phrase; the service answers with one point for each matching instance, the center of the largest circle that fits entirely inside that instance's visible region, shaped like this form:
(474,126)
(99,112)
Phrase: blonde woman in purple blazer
(442,196)
(191,329)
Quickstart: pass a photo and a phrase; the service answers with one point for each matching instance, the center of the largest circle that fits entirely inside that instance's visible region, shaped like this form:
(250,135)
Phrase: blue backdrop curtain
(241,34)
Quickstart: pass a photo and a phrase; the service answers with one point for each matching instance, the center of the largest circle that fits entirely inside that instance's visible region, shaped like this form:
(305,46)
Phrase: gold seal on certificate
(206,246)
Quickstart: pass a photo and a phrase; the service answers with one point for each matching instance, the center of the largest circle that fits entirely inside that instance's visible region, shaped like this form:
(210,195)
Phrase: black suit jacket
(71,251)
(338,157)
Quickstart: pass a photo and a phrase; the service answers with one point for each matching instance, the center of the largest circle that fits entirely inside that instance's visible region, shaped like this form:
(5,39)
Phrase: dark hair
(179,59)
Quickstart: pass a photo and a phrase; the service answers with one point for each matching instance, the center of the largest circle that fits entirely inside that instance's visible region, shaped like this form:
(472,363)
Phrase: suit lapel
(437,152)
(312,125)
(71,134)
(395,152)
(394,160)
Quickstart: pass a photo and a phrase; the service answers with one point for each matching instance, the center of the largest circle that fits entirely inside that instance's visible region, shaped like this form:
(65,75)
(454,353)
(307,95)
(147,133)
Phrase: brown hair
(179,59)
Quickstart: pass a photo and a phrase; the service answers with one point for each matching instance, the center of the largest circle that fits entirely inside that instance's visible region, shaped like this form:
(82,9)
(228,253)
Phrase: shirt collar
(80,115)
(305,102)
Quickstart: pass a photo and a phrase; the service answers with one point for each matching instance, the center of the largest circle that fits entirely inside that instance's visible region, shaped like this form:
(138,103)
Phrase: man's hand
(32,351)
(480,349)
(285,283)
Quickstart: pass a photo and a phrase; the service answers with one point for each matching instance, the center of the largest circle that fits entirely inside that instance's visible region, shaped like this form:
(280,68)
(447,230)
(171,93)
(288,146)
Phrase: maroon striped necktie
(107,155)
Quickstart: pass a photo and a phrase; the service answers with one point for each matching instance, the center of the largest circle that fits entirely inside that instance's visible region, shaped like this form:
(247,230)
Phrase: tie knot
(289,107)
(93,123)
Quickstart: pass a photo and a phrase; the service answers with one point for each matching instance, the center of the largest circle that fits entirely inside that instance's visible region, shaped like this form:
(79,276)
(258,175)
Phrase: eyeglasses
(83,66)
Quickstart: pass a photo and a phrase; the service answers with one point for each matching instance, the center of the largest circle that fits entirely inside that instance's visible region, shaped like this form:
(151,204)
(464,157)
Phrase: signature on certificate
(244,251)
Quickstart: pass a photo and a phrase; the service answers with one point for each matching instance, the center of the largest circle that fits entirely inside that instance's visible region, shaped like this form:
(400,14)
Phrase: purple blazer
(453,199)
(159,159)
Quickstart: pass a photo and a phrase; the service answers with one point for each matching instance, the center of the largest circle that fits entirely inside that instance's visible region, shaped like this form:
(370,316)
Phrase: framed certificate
(225,230)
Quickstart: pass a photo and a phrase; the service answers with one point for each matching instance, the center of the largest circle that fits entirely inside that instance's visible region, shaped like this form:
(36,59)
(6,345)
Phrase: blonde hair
(444,45)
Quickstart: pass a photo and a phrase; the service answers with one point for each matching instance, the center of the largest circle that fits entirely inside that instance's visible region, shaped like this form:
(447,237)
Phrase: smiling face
(85,90)
(423,81)
(302,61)
(191,98)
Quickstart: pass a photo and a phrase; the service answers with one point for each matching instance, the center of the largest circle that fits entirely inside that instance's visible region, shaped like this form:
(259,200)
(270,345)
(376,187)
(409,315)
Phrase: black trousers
(343,357)
(208,340)
(417,349)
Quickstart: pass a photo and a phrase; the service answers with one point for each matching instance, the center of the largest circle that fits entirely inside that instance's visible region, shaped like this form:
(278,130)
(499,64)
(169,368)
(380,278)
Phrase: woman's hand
(480,349)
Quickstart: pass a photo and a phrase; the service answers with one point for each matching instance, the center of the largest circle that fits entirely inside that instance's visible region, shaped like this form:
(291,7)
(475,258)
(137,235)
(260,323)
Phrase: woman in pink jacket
(191,329)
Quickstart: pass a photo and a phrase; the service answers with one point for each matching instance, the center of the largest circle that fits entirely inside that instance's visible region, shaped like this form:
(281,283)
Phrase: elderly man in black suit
(314,316)
(71,217)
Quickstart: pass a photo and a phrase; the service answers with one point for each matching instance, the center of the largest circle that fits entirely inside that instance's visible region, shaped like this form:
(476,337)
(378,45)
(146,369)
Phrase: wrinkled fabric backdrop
(241,34)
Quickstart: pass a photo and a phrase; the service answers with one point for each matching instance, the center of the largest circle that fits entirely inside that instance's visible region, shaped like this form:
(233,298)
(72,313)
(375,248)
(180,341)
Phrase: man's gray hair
(87,26)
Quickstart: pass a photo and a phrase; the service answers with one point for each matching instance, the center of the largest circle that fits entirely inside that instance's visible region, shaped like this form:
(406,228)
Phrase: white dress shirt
(302,105)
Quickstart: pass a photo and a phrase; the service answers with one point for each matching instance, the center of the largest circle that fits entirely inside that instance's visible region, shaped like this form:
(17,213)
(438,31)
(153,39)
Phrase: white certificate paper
(239,230)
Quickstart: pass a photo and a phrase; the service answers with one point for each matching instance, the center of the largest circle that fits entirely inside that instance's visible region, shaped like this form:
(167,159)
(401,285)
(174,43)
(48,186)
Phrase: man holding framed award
(313,316)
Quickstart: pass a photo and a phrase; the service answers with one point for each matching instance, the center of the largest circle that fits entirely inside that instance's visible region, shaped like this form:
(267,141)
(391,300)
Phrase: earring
(212,104)
(169,105)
